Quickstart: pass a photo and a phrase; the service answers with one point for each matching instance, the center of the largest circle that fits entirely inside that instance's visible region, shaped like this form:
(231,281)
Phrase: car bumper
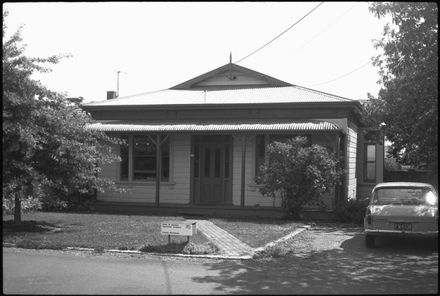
(379,232)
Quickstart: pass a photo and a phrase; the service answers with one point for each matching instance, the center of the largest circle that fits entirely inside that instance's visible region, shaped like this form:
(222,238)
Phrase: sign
(178,228)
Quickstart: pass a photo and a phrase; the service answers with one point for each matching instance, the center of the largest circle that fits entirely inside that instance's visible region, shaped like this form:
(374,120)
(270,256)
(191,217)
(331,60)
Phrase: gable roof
(230,76)
(229,85)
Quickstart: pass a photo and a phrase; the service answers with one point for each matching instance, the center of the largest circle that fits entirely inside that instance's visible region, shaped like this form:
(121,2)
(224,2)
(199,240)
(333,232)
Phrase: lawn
(257,232)
(57,230)
(98,231)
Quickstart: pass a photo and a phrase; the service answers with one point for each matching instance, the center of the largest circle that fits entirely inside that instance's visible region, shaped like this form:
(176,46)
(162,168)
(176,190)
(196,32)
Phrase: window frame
(127,158)
(366,162)
(131,160)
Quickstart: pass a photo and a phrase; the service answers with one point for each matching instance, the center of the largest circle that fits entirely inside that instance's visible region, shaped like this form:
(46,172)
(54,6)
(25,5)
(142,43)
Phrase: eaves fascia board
(333,105)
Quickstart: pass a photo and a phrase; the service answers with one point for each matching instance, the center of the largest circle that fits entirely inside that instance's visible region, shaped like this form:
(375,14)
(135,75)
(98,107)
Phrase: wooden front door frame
(198,144)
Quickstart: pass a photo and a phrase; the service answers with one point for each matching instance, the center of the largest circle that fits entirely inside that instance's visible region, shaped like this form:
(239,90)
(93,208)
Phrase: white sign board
(178,228)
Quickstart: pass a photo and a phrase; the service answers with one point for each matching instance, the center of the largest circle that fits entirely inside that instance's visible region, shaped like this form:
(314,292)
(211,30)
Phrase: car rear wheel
(369,241)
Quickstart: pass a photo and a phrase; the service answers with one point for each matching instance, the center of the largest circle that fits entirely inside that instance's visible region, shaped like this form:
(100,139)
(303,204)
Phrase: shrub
(181,248)
(299,173)
(353,211)
(98,249)
(274,252)
(167,248)
(391,165)
(206,248)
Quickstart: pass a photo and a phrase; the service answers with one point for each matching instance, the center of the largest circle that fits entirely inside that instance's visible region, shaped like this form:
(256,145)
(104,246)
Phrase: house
(199,144)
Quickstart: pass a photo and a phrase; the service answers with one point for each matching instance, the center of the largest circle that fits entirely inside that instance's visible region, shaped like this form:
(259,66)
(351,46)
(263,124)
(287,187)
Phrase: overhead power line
(342,76)
(279,34)
(325,28)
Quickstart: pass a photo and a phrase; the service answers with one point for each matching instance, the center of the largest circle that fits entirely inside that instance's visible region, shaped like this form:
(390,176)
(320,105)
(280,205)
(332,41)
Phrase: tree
(298,172)
(48,153)
(408,69)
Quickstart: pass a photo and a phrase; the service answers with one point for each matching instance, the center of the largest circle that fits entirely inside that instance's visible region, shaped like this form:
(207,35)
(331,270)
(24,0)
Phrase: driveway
(328,260)
(334,260)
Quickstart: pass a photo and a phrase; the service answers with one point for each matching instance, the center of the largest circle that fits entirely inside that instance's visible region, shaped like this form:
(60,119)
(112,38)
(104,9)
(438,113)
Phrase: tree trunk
(17,209)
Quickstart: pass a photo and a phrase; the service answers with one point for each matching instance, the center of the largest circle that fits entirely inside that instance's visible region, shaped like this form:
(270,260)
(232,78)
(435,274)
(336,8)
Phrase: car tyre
(369,241)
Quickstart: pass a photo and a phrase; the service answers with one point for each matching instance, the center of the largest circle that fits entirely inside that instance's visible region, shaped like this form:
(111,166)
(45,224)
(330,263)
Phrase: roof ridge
(324,93)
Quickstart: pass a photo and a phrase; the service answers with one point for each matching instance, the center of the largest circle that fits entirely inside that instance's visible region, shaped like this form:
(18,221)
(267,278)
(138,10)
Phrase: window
(144,158)
(260,148)
(123,153)
(165,158)
(370,163)
(143,154)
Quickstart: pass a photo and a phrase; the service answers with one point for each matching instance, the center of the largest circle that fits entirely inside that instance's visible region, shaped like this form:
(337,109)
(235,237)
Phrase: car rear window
(400,195)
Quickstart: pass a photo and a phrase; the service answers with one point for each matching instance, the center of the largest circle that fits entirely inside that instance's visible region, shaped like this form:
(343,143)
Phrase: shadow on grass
(27,226)
(31,234)
(351,268)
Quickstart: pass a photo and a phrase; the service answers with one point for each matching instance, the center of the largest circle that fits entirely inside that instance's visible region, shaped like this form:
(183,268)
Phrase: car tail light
(368,215)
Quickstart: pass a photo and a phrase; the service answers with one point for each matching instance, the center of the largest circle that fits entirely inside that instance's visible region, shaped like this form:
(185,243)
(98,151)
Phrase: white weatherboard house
(199,144)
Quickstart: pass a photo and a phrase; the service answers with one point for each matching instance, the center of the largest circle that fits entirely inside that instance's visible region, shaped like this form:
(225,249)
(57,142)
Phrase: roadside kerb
(11,245)
(236,256)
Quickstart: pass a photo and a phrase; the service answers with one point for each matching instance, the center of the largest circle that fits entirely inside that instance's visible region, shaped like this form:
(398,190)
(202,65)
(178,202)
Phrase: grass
(51,230)
(257,232)
(58,230)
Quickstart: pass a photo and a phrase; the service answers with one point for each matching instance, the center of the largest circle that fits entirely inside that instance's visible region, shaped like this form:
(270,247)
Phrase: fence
(412,176)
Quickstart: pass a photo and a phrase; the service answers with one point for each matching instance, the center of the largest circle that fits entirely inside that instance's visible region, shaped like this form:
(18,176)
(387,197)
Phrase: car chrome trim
(379,231)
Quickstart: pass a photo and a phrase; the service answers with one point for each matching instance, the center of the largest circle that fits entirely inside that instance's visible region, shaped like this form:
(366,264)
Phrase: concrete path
(227,243)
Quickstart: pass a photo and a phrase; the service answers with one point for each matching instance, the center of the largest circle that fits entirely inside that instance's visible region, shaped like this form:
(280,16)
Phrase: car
(401,209)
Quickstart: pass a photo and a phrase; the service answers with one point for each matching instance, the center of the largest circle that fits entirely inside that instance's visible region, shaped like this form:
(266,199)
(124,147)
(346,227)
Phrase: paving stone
(226,242)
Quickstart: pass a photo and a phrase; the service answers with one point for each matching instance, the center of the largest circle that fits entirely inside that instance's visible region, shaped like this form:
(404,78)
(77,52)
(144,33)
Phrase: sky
(157,45)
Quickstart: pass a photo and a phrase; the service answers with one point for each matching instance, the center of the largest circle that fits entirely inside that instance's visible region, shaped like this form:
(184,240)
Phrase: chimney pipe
(111,94)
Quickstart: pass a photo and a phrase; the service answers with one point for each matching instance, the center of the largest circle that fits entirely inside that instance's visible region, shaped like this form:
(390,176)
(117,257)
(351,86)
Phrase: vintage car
(401,208)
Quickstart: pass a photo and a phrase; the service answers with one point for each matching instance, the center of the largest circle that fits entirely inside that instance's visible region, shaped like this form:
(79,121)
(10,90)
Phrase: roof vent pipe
(111,94)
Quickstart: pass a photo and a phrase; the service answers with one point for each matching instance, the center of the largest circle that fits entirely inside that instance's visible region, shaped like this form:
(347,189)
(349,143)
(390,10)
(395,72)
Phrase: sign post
(182,228)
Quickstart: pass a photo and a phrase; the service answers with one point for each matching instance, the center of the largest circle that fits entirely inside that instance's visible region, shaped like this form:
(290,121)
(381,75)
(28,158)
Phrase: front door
(212,170)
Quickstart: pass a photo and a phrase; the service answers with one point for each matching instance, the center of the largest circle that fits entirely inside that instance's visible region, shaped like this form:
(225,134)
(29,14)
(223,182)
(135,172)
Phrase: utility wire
(279,34)
(326,28)
(342,76)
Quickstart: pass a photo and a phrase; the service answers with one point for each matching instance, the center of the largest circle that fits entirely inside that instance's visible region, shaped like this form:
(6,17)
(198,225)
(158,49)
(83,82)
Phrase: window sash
(124,154)
(141,150)
(370,163)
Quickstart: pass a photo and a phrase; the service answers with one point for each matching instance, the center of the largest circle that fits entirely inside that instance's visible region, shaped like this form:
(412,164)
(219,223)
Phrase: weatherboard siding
(175,191)
(236,171)
(351,159)
(253,197)
(237,78)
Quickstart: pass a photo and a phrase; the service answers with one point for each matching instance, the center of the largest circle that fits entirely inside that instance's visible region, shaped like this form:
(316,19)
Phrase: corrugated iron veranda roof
(214,126)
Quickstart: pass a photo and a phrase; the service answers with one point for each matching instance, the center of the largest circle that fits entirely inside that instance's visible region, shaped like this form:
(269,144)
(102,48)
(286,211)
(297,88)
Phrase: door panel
(212,158)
